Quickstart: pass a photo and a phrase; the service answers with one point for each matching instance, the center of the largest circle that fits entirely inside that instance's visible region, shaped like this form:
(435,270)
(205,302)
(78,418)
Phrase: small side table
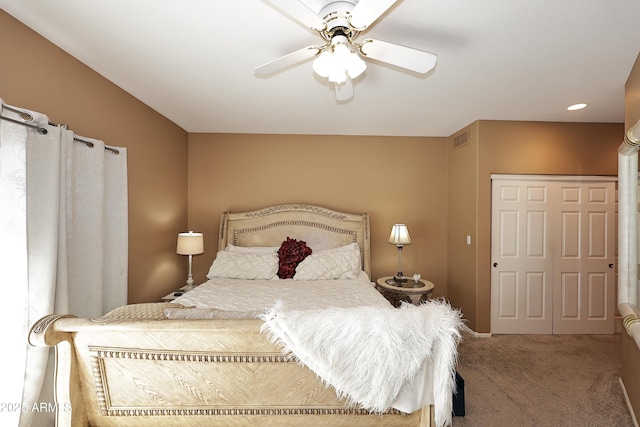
(173,295)
(397,292)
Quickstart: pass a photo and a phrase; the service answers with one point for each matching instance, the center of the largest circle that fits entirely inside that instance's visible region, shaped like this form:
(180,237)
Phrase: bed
(189,363)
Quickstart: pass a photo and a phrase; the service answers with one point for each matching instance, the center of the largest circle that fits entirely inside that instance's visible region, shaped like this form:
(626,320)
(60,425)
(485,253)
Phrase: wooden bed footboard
(189,373)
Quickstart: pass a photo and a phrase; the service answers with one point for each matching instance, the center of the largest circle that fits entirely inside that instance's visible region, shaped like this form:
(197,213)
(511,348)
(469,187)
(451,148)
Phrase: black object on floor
(458,397)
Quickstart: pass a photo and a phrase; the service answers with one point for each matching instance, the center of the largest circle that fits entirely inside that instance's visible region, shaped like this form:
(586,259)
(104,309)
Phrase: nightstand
(409,290)
(173,295)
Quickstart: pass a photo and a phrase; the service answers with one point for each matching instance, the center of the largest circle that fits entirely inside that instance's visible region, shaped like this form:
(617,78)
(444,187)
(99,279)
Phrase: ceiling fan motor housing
(334,13)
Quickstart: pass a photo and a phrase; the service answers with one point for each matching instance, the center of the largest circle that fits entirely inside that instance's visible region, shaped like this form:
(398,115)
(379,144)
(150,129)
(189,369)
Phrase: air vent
(461,140)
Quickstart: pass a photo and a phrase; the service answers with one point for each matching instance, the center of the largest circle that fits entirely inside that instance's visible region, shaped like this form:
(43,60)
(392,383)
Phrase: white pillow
(240,265)
(252,249)
(330,264)
(350,247)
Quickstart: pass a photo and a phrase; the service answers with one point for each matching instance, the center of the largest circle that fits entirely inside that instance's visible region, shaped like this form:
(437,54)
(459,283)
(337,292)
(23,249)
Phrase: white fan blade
(366,12)
(344,91)
(400,56)
(300,12)
(286,61)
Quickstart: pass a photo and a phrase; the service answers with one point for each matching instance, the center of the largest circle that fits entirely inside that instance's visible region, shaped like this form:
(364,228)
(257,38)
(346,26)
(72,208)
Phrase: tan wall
(534,148)
(509,147)
(630,352)
(393,179)
(631,372)
(463,205)
(37,75)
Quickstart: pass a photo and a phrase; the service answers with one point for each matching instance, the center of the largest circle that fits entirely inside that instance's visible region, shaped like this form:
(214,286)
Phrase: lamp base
(399,278)
(189,284)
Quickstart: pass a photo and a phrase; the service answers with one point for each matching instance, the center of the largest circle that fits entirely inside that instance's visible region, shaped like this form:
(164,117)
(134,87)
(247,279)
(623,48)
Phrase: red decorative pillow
(290,254)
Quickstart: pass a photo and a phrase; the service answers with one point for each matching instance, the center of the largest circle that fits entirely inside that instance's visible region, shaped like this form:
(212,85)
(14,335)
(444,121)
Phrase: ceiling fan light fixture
(337,62)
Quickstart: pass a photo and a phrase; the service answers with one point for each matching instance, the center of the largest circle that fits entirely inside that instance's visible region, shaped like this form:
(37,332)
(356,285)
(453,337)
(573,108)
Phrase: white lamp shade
(400,235)
(190,243)
(356,65)
(322,64)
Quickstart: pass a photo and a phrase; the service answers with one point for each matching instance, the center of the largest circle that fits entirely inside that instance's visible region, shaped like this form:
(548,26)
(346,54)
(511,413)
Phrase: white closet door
(584,278)
(553,249)
(522,257)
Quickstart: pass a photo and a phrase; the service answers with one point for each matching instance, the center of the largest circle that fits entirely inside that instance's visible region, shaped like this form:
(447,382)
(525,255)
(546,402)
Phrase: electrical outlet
(468,239)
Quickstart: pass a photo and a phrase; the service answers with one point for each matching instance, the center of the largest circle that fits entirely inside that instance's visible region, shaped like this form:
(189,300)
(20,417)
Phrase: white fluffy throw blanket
(369,353)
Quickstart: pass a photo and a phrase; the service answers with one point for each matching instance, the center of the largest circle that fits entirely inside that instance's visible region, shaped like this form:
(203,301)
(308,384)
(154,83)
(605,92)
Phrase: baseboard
(626,399)
(617,322)
(475,334)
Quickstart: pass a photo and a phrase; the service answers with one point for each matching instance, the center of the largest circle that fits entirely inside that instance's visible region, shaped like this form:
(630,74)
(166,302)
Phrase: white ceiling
(193,61)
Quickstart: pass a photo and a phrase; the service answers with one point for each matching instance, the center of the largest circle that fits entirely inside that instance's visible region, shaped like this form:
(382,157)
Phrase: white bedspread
(260,295)
(427,382)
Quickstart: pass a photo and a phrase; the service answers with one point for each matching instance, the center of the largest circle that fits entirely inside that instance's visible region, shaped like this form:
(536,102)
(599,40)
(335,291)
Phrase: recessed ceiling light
(577,107)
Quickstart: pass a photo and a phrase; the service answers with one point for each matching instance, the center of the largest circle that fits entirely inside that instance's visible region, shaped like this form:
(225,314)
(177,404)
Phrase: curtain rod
(43,131)
(90,144)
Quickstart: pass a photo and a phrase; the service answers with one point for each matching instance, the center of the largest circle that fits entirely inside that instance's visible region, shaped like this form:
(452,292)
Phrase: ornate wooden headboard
(319,227)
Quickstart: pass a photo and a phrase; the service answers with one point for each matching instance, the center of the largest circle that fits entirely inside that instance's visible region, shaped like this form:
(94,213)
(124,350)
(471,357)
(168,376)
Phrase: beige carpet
(542,380)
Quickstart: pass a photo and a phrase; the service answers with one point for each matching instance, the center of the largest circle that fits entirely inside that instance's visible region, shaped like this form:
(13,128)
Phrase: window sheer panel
(13,264)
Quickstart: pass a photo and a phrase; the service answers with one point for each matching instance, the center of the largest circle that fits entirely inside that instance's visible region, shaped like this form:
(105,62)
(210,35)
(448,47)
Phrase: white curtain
(63,246)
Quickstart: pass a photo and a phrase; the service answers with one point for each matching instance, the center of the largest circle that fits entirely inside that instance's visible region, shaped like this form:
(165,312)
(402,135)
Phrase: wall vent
(461,140)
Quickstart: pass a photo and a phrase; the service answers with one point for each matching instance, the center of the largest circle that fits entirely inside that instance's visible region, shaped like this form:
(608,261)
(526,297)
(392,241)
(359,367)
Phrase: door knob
(495,264)
(610,265)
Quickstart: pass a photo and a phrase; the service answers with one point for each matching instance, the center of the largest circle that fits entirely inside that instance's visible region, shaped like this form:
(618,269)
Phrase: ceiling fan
(340,58)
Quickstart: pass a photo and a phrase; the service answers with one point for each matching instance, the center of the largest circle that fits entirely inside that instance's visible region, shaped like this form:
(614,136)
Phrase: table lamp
(399,237)
(190,244)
